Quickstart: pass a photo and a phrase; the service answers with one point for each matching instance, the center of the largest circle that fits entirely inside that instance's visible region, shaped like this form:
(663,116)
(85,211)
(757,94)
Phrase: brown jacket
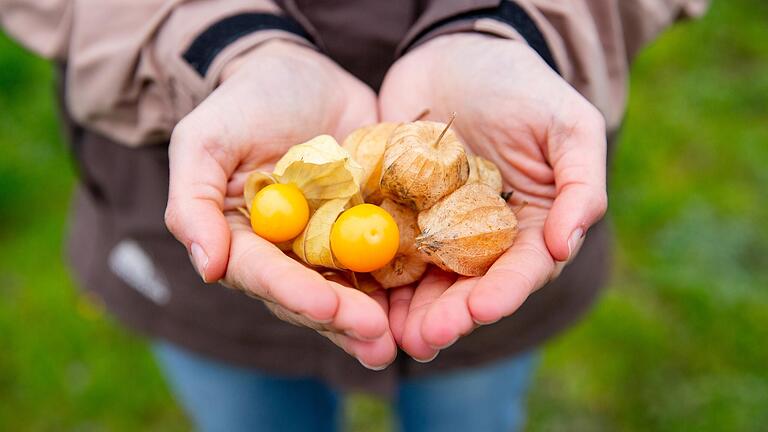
(127,84)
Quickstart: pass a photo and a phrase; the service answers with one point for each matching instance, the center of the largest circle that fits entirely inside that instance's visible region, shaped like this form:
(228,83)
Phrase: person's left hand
(549,143)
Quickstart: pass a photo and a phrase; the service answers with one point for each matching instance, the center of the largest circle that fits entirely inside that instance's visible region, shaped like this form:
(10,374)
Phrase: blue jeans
(221,397)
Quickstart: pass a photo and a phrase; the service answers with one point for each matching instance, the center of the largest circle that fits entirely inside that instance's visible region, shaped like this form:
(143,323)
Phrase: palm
(524,122)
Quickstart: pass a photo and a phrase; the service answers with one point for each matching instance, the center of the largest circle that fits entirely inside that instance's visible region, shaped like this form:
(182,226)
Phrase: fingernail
(427,360)
(373,368)
(573,240)
(200,259)
(446,345)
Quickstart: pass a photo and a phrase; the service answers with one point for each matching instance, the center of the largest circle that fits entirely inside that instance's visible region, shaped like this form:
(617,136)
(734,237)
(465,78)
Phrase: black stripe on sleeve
(509,13)
(204,49)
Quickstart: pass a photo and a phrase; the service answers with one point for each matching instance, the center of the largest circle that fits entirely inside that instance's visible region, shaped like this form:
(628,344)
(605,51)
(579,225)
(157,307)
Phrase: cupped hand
(271,98)
(550,145)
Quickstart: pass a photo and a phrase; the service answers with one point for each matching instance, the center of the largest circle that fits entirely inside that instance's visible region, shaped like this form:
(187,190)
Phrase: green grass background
(678,342)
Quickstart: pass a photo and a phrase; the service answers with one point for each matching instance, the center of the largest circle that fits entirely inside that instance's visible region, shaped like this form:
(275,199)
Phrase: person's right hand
(273,97)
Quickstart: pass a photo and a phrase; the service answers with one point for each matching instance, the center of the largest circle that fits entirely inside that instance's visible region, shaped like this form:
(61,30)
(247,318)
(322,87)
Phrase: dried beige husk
(482,170)
(404,269)
(255,182)
(467,230)
(321,169)
(364,282)
(366,146)
(423,162)
(408,265)
(313,245)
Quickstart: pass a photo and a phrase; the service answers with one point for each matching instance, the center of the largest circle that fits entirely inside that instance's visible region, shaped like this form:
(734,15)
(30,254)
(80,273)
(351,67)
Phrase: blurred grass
(677,343)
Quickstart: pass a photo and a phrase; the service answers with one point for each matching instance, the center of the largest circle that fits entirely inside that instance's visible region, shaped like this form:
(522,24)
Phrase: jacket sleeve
(590,42)
(135,68)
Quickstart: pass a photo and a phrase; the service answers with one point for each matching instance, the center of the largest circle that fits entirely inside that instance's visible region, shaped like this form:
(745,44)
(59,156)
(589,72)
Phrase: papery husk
(256,181)
(361,281)
(408,266)
(467,230)
(366,146)
(341,277)
(321,169)
(404,269)
(482,170)
(364,282)
(423,162)
(313,245)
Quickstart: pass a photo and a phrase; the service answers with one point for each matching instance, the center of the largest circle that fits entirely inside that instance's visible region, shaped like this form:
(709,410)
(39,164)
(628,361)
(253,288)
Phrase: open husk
(482,170)
(255,182)
(408,265)
(423,162)
(366,146)
(313,245)
(321,169)
(467,230)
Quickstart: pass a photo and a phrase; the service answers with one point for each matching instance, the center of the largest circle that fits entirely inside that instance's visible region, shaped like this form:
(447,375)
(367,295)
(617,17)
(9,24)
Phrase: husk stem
(445,130)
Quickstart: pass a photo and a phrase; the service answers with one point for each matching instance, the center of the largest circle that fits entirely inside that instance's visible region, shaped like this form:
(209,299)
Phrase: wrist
(462,39)
(447,51)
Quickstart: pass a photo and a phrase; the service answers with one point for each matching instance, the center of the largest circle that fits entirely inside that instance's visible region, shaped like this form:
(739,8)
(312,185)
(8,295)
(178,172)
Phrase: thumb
(196,194)
(579,163)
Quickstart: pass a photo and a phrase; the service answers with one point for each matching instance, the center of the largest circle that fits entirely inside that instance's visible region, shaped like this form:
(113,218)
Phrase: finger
(449,318)
(341,323)
(560,265)
(375,352)
(298,320)
(579,163)
(431,287)
(261,268)
(381,298)
(399,304)
(374,355)
(197,187)
(525,267)
(360,316)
